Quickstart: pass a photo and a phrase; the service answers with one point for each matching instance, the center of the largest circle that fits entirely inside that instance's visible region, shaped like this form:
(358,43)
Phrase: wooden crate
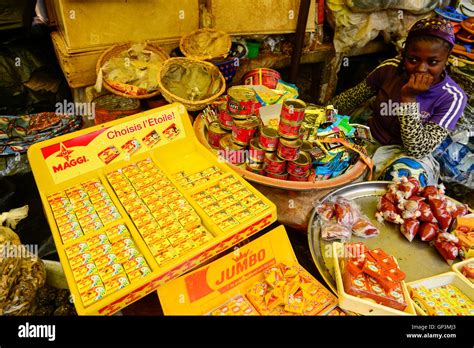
(246,17)
(79,68)
(89,24)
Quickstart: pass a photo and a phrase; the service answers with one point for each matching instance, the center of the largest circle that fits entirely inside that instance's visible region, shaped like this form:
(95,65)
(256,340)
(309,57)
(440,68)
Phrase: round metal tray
(417,259)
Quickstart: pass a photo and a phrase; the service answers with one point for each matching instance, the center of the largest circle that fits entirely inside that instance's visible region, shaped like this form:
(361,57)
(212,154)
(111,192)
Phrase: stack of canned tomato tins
(244,141)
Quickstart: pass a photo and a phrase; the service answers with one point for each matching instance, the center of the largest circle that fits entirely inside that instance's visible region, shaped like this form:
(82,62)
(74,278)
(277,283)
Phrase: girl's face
(426,57)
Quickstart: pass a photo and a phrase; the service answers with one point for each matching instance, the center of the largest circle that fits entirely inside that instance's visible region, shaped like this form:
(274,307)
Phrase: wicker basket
(190,105)
(185,42)
(116,50)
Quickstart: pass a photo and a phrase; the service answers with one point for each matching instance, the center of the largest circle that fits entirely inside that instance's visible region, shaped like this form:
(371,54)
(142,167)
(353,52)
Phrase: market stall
(176,183)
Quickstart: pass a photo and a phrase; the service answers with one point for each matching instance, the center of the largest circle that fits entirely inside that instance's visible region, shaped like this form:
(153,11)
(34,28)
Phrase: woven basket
(115,51)
(185,42)
(190,105)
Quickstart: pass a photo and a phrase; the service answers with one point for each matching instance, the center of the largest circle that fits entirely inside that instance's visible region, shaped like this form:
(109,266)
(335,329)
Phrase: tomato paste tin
(215,134)
(289,130)
(262,76)
(303,177)
(225,119)
(300,166)
(268,139)
(254,164)
(255,170)
(289,149)
(292,110)
(231,152)
(241,100)
(280,176)
(256,152)
(273,164)
(243,131)
(306,146)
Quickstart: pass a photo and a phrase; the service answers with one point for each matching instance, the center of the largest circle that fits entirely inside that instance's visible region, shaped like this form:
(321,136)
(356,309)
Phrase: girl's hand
(417,84)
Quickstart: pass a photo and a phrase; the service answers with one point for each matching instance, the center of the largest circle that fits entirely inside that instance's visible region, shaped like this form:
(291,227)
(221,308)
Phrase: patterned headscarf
(438,27)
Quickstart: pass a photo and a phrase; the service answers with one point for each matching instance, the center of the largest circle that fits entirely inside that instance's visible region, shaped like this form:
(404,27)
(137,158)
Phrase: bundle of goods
(131,70)
(424,211)
(373,274)
(442,300)
(23,273)
(341,217)
(204,44)
(192,82)
(286,290)
(17,133)
(306,144)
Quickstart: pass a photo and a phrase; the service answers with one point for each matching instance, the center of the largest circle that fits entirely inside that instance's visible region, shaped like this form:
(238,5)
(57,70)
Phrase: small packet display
(162,215)
(99,265)
(196,179)
(340,218)
(237,306)
(229,203)
(82,209)
(373,274)
(468,271)
(442,300)
(290,290)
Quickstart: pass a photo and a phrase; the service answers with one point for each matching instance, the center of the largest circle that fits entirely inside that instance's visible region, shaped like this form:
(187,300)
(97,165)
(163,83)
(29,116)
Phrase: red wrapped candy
(426,213)
(364,228)
(460,211)
(415,183)
(428,231)
(346,213)
(325,210)
(409,228)
(430,190)
(438,207)
(448,250)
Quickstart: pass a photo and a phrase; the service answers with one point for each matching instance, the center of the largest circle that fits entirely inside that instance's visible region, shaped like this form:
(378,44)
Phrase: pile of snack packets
(286,290)
(373,274)
(428,213)
(340,218)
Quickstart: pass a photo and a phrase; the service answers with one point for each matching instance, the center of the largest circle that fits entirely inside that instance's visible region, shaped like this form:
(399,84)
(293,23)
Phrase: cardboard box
(208,288)
(90,24)
(243,17)
(88,219)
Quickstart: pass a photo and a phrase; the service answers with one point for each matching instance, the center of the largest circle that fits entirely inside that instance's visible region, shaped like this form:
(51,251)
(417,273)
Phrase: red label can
(225,119)
(280,176)
(273,164)
(241,100)
(256,152)
(289,149)
(268,139)
(243,131)
(292,110)
(300,166)
(215,134)
(289,130)
(255,170)
(303,177)
(231,152)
